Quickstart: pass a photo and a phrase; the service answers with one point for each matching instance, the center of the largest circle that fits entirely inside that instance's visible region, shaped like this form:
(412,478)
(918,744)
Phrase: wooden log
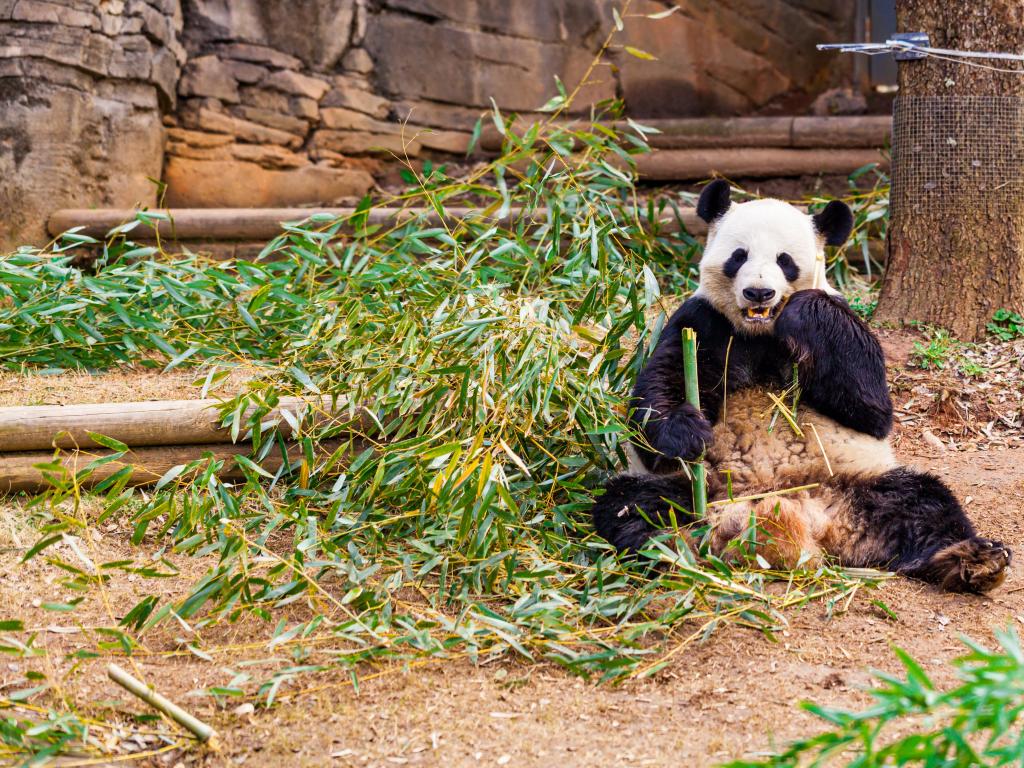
(854,132)
(700,132)
(169,422)
(679,164)
(239,224)
(679,133)
(260,224)
(18,471)
(216,224)
(759,139)
(842,132)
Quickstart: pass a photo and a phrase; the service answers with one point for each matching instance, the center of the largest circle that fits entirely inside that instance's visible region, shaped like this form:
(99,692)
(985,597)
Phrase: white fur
(764,229)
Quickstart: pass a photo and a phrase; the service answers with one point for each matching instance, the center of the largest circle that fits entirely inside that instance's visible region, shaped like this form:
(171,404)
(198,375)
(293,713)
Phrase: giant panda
(768,323)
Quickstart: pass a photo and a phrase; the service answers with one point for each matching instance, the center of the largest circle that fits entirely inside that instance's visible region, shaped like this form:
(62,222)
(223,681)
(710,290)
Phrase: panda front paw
(684,434)
(807,315)
(801,307)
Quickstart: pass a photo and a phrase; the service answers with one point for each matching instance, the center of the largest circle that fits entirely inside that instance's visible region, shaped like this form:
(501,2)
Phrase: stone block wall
(269,103)
(83,85)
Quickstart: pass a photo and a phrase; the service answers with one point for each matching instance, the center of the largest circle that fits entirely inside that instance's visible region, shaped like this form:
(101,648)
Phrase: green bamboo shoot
(700,483)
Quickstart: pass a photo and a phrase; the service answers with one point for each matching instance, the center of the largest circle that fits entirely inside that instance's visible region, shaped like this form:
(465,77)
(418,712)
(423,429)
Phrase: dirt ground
(732,696)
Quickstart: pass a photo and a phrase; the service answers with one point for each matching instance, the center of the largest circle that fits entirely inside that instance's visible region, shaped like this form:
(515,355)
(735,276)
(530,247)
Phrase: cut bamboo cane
(194,725)
(168,422)
(18,471)
(700,484)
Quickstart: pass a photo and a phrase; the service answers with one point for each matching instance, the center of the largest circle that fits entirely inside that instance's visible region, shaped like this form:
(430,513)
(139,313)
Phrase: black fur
(916,527)
(732,265)
(617,513)
(841,365)
(902,519)
(714,200)
(835,222)
(788,267)
(841,373)
(672,427)
(913,513)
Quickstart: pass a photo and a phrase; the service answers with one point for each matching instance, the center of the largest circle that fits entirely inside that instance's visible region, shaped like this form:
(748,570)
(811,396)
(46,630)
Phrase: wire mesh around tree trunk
(949,152)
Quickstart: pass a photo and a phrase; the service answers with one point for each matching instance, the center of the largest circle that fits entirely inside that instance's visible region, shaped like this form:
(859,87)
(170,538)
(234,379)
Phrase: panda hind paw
(973,565)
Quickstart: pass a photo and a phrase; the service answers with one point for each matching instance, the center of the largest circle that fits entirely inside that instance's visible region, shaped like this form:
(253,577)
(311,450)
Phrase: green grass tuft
(914,723)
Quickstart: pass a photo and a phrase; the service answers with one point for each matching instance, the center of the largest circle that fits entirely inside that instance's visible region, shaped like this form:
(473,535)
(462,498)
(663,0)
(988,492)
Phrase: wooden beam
(676,164)
(262,224)
(868,132)
(854,132)
(18,471)
(171,422)
(214,224)
(702,132)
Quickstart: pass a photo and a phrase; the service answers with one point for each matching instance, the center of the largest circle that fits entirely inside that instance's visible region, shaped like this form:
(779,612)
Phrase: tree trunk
(956,239)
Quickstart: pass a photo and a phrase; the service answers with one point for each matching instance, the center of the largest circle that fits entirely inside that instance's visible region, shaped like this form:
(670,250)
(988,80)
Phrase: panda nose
(758,295)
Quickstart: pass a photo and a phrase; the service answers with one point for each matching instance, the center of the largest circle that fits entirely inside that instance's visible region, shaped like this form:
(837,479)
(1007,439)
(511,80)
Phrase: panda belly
(753,455)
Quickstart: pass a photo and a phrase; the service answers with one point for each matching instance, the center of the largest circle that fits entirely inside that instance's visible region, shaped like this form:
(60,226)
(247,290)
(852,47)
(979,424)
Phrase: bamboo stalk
(700,482)
(759,496)
(194,725)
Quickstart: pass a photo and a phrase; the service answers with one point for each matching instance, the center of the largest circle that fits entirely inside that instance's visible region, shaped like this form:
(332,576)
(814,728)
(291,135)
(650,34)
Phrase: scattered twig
(198,728)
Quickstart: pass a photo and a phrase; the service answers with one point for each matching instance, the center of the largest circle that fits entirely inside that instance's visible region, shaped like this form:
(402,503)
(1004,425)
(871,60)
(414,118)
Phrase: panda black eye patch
(788,266)
(734,262)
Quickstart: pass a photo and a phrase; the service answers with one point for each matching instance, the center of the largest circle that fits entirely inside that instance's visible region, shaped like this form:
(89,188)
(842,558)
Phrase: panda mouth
(760,314)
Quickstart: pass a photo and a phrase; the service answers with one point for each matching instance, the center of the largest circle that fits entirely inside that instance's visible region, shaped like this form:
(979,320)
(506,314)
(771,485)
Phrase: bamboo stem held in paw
(201,730)
(700,484)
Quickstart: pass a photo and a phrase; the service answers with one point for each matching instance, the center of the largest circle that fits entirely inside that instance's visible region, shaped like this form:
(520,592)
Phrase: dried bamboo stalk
(194,725)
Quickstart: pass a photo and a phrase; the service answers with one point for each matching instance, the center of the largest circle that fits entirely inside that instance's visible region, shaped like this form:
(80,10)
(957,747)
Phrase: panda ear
(834,223)
(714,200)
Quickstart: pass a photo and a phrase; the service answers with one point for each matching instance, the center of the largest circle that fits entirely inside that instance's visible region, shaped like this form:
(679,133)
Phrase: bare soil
(735,695)
(127,386)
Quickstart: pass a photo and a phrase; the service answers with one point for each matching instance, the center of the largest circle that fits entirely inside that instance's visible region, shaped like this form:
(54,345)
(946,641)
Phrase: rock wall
(267,102)
(83,84)
(735,57)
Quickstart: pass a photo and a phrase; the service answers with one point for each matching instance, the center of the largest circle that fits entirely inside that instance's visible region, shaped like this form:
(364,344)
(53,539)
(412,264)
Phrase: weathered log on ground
(866,132)
(858,132)
(262,224)
(169,422)
(673,164)
(18,471)
(216,224)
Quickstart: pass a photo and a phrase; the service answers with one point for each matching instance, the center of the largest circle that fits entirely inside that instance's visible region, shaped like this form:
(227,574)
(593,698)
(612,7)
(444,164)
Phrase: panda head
(760,252)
